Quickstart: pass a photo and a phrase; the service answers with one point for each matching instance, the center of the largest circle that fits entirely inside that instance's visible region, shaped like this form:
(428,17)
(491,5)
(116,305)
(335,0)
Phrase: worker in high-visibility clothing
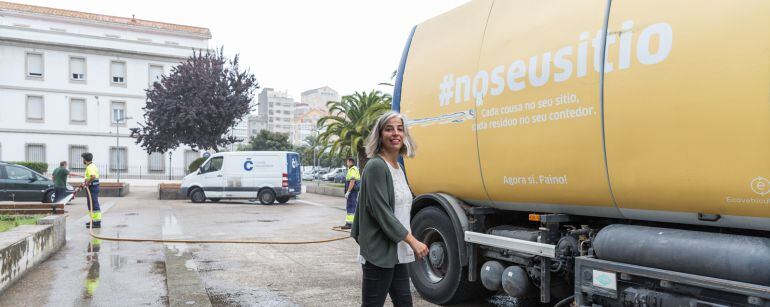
(92,182)
(352,185)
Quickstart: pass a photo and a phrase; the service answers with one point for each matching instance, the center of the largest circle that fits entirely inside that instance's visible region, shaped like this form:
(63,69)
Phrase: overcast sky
(293,45)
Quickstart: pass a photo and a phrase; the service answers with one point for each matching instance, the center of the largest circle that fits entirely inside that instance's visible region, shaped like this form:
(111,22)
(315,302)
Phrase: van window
(213,165)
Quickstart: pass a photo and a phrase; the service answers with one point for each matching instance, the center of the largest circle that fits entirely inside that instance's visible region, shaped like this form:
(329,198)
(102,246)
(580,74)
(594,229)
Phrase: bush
(195,164)
(40,167)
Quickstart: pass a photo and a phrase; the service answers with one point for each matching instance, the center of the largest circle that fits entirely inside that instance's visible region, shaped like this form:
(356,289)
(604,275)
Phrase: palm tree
(350,121)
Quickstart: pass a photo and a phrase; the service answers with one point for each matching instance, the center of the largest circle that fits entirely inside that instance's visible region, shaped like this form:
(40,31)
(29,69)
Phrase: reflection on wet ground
(90,272)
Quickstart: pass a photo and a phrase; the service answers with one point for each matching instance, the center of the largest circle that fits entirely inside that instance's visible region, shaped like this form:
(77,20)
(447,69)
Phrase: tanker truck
(606,153)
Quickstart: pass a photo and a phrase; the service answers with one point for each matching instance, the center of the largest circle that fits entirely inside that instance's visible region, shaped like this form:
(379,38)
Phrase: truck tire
(283,199)
(197,195)
(439,277)
(266,197)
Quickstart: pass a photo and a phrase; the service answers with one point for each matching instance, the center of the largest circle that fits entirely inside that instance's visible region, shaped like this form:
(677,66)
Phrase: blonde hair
(374,141)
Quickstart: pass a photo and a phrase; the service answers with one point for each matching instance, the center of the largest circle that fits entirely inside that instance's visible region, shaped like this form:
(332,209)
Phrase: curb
(24,247)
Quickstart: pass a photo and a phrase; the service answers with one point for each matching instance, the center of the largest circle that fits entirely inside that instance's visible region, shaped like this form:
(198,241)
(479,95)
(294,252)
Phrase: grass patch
(10,221)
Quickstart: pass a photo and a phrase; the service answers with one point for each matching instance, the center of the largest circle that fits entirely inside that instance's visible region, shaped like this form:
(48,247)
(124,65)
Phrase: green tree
(268,141)
(349,122)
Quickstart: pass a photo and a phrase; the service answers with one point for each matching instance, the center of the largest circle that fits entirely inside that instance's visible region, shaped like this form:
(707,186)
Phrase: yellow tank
(658,111)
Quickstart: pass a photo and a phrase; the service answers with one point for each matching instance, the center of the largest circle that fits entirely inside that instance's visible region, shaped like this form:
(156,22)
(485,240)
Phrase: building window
(35,65)
(118,112)
(156,71)
(77,69)
(75,160)
(118,73)
(35,153)
(157,162)
(118,159)
(77,111)
(35,108)
(189,157)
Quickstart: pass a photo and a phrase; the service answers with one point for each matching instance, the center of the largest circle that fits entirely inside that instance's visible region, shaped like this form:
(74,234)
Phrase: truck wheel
(197,196)
(439,277)
(266,197)
(283,199)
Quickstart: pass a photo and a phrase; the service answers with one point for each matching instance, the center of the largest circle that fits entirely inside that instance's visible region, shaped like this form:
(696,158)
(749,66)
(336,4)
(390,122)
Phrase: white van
(264,175)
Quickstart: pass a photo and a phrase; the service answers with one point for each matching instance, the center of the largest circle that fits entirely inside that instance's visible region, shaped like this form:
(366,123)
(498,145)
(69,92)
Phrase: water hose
(205,241)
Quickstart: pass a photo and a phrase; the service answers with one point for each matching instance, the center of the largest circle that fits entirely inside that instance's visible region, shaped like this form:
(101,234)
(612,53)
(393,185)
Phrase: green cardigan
(375,227)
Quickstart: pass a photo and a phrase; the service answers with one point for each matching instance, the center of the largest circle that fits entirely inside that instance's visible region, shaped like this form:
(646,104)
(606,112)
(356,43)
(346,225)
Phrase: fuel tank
(637,110)
(726,256)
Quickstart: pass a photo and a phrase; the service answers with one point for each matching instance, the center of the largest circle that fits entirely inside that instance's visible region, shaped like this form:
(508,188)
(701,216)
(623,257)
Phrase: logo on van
(248,165)
(294,163)
(760,185)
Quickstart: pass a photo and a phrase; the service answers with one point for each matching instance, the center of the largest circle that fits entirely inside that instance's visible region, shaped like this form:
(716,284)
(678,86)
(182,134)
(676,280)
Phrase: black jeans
(379,282)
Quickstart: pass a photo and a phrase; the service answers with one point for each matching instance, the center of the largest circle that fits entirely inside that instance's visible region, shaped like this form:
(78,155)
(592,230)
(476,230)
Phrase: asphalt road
(89,272)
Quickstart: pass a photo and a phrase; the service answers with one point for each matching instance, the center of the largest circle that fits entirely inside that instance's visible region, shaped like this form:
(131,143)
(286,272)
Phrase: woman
(381,224)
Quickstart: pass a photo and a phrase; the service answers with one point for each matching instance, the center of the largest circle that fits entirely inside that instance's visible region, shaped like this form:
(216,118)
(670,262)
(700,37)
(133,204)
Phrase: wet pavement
(89,272)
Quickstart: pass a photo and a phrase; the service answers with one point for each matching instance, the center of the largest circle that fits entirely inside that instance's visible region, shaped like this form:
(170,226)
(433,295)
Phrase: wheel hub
(437,254)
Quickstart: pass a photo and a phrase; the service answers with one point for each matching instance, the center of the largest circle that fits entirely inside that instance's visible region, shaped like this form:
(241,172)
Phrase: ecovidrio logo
(568,61)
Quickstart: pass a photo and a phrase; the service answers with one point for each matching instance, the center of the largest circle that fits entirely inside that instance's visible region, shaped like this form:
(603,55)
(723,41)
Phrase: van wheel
(266,197)
(439,277)
(197,196)
(283,200)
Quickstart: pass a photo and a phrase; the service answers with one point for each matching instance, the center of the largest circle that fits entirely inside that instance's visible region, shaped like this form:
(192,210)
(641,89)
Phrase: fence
(136,172)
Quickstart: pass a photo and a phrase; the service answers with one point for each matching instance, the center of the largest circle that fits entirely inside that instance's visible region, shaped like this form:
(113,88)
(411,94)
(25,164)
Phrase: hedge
(195,164)
(40,167)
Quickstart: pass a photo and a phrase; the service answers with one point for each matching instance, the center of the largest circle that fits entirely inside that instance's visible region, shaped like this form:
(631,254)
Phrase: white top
(402,210)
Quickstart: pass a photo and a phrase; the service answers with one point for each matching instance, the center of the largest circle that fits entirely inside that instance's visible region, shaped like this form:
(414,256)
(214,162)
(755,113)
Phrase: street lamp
(118,120)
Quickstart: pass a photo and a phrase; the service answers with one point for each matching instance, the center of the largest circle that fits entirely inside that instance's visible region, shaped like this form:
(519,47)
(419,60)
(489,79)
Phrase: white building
(317,98)
(275,111)
(68,77)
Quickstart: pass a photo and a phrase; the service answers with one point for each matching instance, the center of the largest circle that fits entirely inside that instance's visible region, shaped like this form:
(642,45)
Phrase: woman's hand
(419,248)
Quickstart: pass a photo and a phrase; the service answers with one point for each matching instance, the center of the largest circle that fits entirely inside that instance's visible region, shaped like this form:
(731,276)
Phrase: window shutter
(34,107)
(118,72)
(78,110)
(35,64)
(78,68)
(155,73)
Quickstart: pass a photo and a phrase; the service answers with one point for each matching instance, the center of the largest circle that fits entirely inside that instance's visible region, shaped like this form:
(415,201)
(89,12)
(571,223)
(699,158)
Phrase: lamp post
(118,120)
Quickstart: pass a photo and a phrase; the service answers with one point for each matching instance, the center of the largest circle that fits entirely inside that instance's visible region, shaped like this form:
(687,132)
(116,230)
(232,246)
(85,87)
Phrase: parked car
(340,178)
(330,175)
(265,175)
(18,183)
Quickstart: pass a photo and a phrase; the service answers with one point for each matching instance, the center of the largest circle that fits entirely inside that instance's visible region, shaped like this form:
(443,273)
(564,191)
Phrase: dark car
(340,178)
(18,183)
